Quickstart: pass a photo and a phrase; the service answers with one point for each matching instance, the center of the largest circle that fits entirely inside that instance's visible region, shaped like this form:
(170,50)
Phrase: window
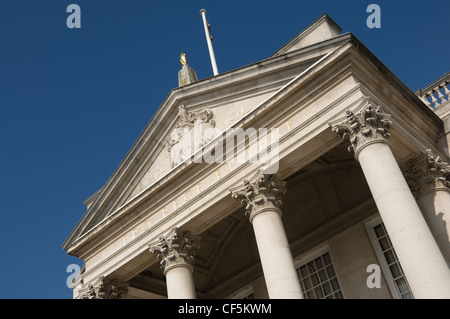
(250,296)
(318,279)
(391,261)
(246,293)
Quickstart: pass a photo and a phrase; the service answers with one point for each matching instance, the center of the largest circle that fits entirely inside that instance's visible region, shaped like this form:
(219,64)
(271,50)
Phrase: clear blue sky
(73,101)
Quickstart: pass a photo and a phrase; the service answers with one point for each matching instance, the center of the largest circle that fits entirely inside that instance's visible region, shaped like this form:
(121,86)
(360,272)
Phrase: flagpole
(208,40)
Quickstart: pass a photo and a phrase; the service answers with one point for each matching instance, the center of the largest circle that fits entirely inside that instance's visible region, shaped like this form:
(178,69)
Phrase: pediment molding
(232,86)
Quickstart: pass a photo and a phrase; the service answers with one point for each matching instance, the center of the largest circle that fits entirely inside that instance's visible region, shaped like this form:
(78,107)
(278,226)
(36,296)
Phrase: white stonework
(326,94)
(263,199)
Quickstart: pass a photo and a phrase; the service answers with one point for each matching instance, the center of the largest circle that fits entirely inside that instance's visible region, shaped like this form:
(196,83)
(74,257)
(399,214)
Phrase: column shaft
(419,255)
(279,272)
(180,283)
(436,208)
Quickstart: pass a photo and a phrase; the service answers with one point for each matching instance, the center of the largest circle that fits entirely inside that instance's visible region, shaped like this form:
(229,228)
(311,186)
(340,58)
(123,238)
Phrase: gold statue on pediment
(183,59)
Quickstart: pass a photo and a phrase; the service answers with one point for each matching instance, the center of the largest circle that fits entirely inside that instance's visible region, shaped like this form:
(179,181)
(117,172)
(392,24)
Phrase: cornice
(395,81)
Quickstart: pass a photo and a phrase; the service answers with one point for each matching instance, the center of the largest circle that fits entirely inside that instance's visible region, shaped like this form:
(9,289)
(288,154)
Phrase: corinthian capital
(358,129)
(104,288)
(266,191)
(175,249)
(426,173)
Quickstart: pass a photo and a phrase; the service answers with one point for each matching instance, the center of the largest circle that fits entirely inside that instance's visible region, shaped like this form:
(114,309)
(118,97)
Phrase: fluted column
(176,251)
(263,198)
(429,179)
(367,135)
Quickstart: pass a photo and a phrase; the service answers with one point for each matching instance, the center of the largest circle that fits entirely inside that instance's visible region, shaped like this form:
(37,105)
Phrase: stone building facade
(350,199)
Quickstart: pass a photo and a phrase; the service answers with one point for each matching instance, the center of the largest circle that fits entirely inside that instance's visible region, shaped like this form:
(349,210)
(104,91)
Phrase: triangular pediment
(190,131)
(216,103)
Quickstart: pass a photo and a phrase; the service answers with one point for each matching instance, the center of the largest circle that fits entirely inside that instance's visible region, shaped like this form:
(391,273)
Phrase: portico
(348,131)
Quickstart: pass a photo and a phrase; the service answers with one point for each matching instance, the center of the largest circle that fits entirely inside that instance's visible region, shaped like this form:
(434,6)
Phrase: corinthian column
(104,288)
(263,199)
(429,179)
(176,252)
(367,136)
